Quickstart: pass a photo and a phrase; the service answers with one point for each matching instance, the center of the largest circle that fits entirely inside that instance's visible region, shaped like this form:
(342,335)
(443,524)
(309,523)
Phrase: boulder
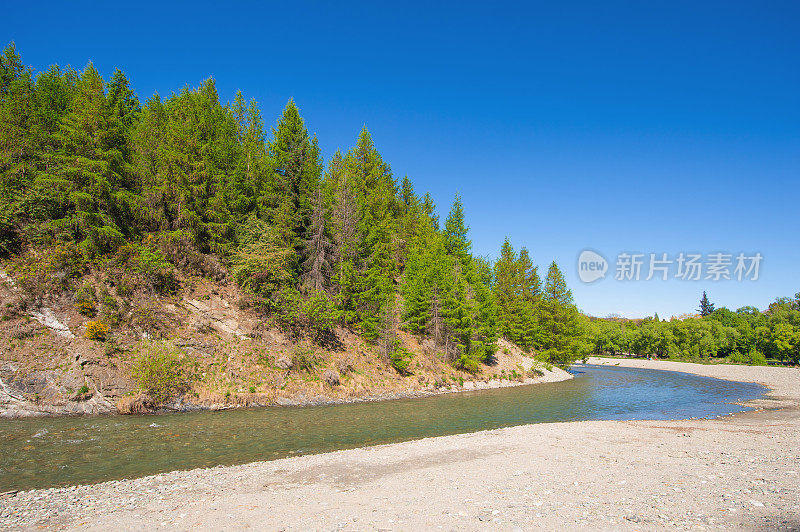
(331,377)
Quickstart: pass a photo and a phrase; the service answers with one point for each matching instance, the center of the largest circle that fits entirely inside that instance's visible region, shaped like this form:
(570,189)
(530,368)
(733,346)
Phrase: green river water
(45,452)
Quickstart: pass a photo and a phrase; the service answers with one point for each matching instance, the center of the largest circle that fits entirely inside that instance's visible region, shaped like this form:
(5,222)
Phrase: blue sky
(634,126)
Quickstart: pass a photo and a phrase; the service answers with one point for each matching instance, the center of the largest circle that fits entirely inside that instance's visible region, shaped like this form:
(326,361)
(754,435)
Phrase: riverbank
(13,406)
(740,471)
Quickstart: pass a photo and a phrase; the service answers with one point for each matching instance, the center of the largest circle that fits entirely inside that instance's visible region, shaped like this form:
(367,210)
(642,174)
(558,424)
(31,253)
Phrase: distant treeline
(92,179)
(746,335)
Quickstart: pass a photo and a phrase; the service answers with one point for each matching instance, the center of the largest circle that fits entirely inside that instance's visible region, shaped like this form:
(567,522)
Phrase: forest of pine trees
(90,174)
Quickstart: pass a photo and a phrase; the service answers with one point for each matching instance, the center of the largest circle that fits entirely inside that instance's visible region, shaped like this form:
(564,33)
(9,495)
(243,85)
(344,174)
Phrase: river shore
(736,472)
(14,407)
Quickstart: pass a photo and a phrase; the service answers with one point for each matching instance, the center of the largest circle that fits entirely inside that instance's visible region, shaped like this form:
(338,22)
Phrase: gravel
(736,472)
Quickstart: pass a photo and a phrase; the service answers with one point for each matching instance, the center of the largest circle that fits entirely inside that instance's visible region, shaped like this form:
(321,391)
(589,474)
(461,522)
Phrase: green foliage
(455,231)
(400,359)
(468,363)
(518,292)
(563,331)
(261,264)
(315,313)
(555,287)
(48,270)
(304,359)
(160,371)
(86,299)
(746,336)
(155,268)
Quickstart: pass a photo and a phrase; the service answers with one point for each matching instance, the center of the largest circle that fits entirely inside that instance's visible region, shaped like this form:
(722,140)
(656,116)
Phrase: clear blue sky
(635,126)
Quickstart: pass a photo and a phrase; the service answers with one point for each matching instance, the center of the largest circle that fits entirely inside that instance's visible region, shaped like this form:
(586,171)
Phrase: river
(46,452)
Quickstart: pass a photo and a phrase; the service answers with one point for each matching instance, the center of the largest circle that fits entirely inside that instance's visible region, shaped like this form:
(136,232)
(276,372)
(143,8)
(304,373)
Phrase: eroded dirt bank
(738,472)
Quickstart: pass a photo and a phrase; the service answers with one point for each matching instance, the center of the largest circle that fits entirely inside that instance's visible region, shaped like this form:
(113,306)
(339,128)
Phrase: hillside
(227,357)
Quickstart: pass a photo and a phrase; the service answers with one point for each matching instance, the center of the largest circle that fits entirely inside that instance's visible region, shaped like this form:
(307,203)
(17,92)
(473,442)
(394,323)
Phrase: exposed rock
(284,363)
(331,377)
(46,317)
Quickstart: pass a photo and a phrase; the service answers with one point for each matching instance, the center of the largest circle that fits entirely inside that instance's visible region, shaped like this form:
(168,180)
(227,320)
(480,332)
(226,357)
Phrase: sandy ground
(737,472)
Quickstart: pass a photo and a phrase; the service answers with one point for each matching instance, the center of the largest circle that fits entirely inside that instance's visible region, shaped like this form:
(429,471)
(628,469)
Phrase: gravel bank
(739,472)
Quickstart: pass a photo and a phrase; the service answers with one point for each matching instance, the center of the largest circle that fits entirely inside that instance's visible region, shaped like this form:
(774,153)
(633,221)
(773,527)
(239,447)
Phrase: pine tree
(407,196)
(186,148)
(11,67)
(485,319)
(298,168)
(375,286)
(555,287)
(429,209)
(378,209)
(706,307)
(456,311)
(91,160)
(507,291)
(123,100)
(527,306)
(455,231)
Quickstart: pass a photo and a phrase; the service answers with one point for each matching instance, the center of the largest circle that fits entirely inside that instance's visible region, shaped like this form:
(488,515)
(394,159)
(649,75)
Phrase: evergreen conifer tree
(555,287)
(706,307)
(455,231)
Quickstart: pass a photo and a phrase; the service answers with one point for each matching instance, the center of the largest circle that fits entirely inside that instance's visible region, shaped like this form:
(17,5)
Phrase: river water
(45,452)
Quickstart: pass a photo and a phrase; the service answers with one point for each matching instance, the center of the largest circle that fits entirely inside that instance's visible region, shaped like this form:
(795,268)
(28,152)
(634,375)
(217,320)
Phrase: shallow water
(48,452)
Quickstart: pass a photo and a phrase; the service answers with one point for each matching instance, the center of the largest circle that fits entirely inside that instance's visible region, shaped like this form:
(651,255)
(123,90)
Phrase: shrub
(49,270)
(757,358)
(156,269)
(109,310)
(304,358)
(319,311)
(97,330)
(261,265)
(86,307)
(738,358)
(467,363)
(400,359)
(158,370)
(85,300)
(535,372)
